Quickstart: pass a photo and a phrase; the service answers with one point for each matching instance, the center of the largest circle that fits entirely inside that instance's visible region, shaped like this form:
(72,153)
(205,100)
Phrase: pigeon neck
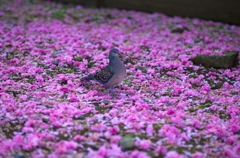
(111,57)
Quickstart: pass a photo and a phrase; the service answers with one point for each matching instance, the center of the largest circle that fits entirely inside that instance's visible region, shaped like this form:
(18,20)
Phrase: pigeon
(112,74)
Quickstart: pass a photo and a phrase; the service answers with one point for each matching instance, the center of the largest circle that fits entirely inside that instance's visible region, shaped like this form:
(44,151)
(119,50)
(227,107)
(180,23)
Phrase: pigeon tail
(88,78)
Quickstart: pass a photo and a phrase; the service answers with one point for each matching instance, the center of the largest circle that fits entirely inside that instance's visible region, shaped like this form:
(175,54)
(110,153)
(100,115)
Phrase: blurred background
(227,11)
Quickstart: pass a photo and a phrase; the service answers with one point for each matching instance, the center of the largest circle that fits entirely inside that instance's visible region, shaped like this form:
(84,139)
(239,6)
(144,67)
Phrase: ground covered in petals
(165,107)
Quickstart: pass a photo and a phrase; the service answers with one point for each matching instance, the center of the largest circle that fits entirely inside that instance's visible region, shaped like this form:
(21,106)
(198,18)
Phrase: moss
(78,59)
(70,71)
(234,92)
(121,126)
(179,30)
(151,154)
(157,127)
(102,109)
(90,64)
(202,106)
(193,76)
(63,136)
(192,110)
(142,136)
(89,114)
(59,14)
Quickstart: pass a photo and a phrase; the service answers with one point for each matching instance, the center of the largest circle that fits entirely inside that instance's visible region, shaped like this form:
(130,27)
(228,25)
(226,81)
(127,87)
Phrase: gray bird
(112,74)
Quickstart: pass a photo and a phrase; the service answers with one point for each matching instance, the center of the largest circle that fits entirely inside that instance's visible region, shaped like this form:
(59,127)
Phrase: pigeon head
(113,53)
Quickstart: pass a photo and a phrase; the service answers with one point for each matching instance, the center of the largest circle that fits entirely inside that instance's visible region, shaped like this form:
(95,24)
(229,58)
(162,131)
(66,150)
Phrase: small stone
(234,92)
(217,61)
(29,97)
(81,117)
(180,30)
(217,86)
(58,53)
(105,101)
(143,69)
(45,120)
(109,16)
(95,121)
(19,156)
(109,106)
(127,142)
(54,62)
(64,96)
(49,106)
(208,101)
